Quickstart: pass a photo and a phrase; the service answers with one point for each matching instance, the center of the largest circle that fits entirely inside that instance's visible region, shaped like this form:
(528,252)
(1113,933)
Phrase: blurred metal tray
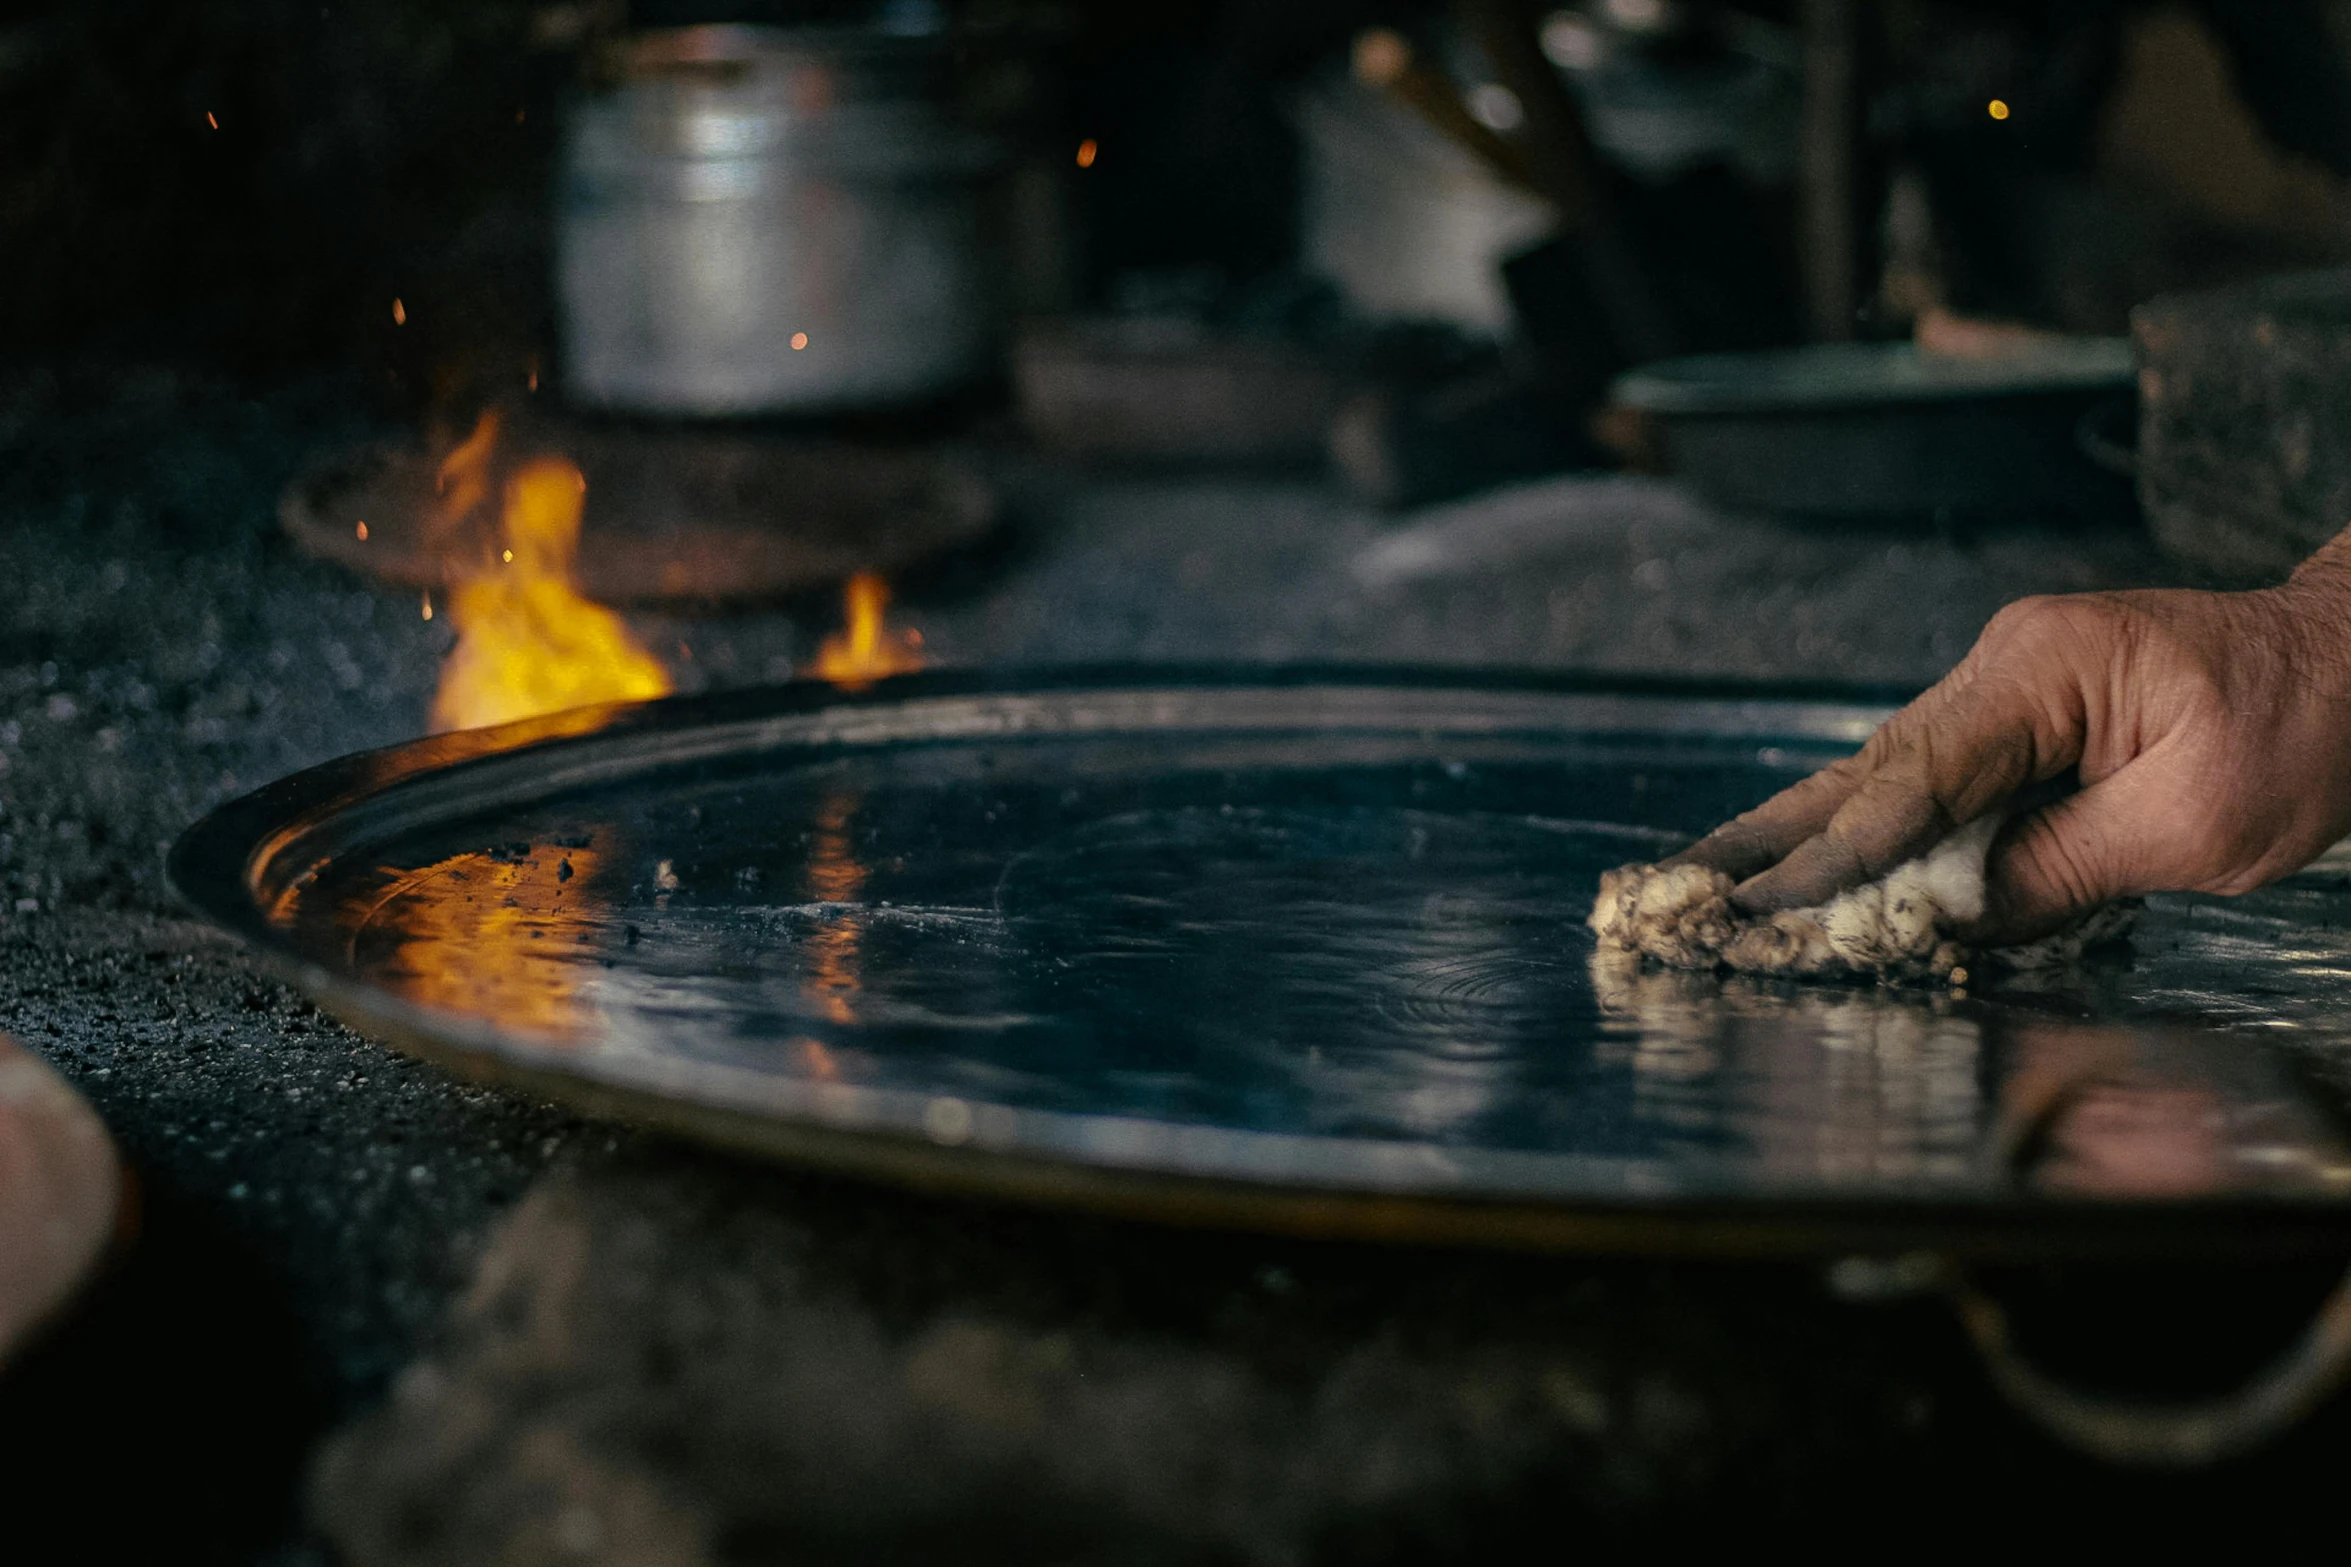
(1861,431)
(1296,950)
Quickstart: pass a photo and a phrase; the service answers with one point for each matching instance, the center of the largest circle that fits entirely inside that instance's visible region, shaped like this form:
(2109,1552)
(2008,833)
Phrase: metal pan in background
(1883,432)
(675,515)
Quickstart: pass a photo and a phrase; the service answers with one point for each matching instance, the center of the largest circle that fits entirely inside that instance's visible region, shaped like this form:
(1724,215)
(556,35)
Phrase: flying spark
(1086,152)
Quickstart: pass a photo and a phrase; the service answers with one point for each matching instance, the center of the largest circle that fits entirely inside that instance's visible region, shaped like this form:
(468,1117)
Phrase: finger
(1940,769)
(1762,837)
(2057,864)
(1768,834)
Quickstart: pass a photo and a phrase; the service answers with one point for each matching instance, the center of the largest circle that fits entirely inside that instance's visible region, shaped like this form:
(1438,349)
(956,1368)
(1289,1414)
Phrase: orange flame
(463,481)
(836,876)
(527,642)
(866,649)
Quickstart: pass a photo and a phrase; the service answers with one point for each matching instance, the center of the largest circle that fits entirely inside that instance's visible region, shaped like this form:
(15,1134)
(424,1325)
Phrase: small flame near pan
(528,642)
(867,648)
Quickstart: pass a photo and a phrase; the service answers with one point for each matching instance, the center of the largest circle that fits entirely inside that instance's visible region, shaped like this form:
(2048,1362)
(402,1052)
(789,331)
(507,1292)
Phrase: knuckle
(1883,741)
(2211,846)
(2035,628)
(2026,621)
(1904,801)
(2195,688)
(2068,870)
(2231,851)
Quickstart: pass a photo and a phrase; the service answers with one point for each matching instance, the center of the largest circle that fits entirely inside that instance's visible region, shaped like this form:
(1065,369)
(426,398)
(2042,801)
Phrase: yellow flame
(866,649)
(527,642)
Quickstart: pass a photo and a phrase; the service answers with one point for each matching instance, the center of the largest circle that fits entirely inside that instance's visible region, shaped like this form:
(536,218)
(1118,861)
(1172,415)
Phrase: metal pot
(763,220)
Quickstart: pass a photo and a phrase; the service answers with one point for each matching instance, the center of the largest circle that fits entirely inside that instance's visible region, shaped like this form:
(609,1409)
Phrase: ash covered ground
(669,1356)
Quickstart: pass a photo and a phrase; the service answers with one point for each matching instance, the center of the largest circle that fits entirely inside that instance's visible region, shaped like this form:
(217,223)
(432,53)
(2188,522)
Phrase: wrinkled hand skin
(2211,734)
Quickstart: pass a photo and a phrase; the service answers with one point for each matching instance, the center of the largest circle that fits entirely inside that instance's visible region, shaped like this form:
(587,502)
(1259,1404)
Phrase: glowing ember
(527,642)
(399,313)
(866,649)
(1087,151)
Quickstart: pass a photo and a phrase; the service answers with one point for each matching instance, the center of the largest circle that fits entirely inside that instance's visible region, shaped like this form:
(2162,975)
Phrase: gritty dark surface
(674,1359)
(730,1364)
(2237,386)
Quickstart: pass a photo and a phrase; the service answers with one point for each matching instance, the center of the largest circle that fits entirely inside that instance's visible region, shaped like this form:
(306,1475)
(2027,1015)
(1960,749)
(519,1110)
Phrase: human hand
(2211,733)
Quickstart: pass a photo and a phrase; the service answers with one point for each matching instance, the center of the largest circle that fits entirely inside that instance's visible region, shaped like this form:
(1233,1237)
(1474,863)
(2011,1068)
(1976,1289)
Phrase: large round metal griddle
(1299,951)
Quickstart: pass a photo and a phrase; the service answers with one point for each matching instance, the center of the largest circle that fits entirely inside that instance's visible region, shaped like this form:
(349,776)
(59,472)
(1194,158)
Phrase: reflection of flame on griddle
(835,876)
(502,934)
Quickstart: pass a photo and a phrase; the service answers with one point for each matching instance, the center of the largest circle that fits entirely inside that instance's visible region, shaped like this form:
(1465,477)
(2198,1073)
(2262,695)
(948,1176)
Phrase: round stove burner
(672,516)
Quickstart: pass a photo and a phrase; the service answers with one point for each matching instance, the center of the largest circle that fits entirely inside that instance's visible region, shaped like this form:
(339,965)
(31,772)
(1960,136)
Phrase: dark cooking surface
(1321,933)
(758,1352)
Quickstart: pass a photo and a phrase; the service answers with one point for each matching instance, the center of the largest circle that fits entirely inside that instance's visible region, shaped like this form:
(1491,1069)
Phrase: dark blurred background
(251,183)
